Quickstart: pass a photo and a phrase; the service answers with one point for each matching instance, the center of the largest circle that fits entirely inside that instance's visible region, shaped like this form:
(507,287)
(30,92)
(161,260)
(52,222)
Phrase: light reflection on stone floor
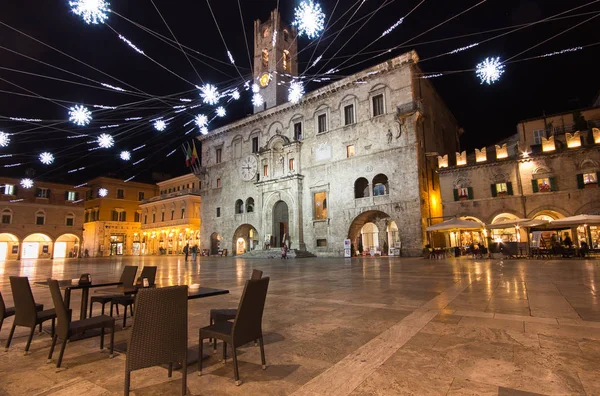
(361,327)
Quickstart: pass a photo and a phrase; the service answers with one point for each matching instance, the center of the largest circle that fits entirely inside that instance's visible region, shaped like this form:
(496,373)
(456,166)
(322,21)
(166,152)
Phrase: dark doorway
(214,243)
(280,224)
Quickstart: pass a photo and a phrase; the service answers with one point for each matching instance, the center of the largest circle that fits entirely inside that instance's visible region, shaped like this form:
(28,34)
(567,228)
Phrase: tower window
(377,105)
(255,144)
(286,35)
(298,131)
(322,123)
(287,60)
(266,32)
(265,58)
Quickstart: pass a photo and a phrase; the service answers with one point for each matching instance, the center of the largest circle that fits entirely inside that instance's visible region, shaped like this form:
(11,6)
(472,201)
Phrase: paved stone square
(349,327)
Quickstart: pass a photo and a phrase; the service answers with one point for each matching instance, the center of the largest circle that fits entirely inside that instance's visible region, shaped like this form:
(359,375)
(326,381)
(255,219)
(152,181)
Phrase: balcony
(409,108)
(180,193)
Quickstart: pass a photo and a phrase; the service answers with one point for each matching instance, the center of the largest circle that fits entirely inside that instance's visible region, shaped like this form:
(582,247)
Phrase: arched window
(6,216)
(286,35)
(250,205)
(287,60)
(265,58)
(380,185)
(239,206)
(361,188)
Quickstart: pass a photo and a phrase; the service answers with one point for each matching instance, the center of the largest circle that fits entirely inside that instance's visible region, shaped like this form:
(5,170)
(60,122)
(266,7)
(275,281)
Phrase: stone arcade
(354,159)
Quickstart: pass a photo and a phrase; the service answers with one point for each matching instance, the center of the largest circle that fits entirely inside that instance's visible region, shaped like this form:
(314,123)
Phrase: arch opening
(36,245)
(361,188)
(363,238)
(66,245)
(9,246)
(245,239)
(380,185)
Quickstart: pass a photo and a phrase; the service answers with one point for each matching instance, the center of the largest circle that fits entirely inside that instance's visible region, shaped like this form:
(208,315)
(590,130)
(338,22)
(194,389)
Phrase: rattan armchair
(26,311)
(66,328)
(129,300)
(246,327)
(127,278)
(6,312)
(159,333)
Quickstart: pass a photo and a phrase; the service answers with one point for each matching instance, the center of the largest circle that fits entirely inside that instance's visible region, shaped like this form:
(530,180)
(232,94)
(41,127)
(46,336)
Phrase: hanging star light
(46,158)
(26,183)
(257,100)
(295,91)
(235,94)
(160,125)
(80,115)
(309,18)
(105,141)
(103,192)
(204,130)
(209,94)
(201,120)
(92,11)
(4,139)
(255,88)
(490,70)
(221,111)
(125,155)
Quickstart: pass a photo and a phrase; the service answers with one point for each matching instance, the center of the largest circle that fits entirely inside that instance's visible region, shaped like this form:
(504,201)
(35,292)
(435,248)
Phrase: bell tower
(275,59)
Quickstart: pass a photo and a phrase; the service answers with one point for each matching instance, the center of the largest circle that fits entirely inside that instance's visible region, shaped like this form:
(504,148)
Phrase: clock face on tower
(248,167)
(264,80)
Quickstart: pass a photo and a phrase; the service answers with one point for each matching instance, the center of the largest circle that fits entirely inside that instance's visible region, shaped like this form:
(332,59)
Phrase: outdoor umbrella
(508,223)
(576,220)
(456,225)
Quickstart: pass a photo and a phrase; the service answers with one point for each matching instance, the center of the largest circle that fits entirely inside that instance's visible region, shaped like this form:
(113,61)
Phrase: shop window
(463,193)
(350,151)
(120,193)
(349,114)
(9,189)
(239,206)
(585,180)
(70,220)
(378,108)
(40,218)
(291,165)
(255,144)
(140,196)
(6,216)
(361,188)
(322,123)
(320,205)
(297,131)
(501,189)
(219,155)
(250,205)
(544,184)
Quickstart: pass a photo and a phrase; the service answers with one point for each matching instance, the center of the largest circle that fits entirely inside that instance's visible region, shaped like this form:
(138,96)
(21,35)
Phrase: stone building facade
(44,221)
(352,159)
(171,219)
(112,216)
(548,170)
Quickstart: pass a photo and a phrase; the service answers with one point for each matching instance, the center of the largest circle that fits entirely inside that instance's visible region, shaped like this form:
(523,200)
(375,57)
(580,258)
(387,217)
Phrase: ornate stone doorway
(280,224)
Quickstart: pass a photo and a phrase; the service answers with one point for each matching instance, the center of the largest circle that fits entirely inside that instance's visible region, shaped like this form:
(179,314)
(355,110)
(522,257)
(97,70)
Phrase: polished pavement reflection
(360,326)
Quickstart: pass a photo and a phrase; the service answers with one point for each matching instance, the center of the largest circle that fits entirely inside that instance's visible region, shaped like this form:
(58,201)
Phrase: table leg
(68,297)
(85,292)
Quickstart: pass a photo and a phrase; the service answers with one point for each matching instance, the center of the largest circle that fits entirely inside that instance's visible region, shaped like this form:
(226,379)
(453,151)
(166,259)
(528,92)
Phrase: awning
(456,225)
(509,223)
(576,220)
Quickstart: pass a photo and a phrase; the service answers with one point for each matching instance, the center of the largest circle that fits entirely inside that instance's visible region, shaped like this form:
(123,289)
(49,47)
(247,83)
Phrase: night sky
(487,113)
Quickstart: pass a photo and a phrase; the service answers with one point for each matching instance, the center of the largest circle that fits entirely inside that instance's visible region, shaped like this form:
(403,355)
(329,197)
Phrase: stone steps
(276,253)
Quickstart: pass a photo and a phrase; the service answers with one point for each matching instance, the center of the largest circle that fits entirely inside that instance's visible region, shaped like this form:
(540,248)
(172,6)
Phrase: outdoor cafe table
(69,285)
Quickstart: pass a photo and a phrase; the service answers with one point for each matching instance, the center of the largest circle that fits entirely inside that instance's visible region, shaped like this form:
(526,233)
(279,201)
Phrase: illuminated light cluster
(235,94)
(138,161)
(160,125)
(257,100)
(230,58)
(490,70)
(125,155)
(209,94)
(331,71)
(92,11)
(26,183)
(561,52)
(295,91)
(221,111)
(185,100)
(139,147)
(394,26)
(133,118)
(4,139)
(80,115)
(112,87)
(25,119)
(255,88)
(201,120)
(309,18)
(433,75)
(316,61)
(105,141)
(103,192)
(129,43)
(461,49)
(46,158)
(204,130)
(274,38)
(104,107)
(110,126)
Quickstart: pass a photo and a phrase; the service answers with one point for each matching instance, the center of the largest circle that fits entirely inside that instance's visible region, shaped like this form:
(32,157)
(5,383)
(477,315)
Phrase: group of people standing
(193,250)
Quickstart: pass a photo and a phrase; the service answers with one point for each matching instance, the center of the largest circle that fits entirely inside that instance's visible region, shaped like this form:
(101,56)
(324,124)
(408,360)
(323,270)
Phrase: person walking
(186,250)
(284,251)
(194,252)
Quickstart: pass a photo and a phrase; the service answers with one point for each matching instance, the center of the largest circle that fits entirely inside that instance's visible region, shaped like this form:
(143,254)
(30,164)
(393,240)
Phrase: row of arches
(38,245)
(248,207)
(378,186)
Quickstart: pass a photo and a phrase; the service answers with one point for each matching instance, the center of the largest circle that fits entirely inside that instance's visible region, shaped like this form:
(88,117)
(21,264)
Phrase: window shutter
(509,190)
(66,195)
(455,194)
(553,185)
(15,190)
(534,186)
(470,192)
(580,183)
(494,191)
(76,196)
(597,177)
(48,193)
(124,216)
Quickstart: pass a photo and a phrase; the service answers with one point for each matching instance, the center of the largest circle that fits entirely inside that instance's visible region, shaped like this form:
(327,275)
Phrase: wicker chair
(159,333)
(129,300)
(127,278)
(67,328)
(246,327)
(26,311)
(6,312)
(225,314)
